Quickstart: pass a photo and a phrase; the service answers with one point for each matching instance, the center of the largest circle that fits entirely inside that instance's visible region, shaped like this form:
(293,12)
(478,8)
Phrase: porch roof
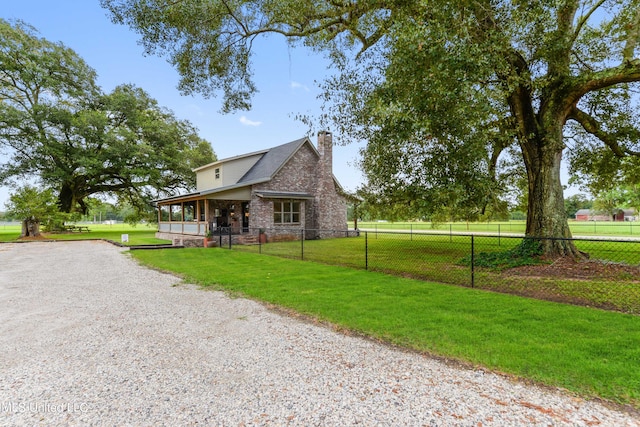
(176,198)
(200,194)
(283,195)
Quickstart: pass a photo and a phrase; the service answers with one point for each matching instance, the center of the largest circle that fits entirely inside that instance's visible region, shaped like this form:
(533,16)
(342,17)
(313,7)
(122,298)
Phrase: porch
(226,218)
(199,217)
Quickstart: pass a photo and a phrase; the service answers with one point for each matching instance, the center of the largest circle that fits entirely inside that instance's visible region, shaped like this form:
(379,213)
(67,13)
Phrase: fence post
(259,241)
(302,244)
(472,262)
(229,237)
(366,250)
(411,231)
(498,234)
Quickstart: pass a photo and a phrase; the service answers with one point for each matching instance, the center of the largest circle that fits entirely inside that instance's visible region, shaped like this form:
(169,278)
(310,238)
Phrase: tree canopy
(34,207)
(443,91)
(57,126)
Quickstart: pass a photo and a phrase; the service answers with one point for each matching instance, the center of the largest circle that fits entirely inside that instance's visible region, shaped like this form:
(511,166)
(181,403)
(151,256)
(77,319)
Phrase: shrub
(526,253)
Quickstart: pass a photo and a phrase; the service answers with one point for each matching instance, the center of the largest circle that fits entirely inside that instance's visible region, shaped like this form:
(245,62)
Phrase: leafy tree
(100,211)
(597,169)
(576,202)
(33,208)
(517,216)
(633,200)
(440,90)
(58,127)
(609,202)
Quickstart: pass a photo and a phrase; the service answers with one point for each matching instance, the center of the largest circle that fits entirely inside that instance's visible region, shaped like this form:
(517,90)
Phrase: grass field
(588,351)
(437,257)
(141,234)
(434,257)
(578,228)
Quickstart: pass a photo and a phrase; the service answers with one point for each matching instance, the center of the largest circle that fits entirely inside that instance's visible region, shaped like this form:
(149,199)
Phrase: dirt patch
(568,268)
(39,237)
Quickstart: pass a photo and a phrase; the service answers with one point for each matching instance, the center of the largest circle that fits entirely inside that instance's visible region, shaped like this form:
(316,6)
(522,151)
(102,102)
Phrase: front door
(245,217)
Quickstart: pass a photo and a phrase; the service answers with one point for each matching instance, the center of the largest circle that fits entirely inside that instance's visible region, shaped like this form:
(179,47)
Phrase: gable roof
(272,161)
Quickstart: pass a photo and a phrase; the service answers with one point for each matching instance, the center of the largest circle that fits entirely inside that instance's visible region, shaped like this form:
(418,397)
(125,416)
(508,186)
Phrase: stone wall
(305,173)
(331,206)
(298,175)
(186,240)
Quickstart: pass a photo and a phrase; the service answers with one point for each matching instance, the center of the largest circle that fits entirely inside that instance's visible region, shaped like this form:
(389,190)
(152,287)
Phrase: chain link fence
(578,228)
(607,275)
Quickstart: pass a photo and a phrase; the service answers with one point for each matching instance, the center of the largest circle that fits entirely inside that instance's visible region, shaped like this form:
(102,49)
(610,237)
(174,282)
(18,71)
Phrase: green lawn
(437,257)
(578,228)
(141,234)
(588,351)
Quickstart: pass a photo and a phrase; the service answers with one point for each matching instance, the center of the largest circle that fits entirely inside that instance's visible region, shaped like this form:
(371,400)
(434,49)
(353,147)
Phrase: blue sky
(286,78)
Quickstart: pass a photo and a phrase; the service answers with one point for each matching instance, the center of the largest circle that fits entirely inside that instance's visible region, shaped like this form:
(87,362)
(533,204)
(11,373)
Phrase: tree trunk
(71,198)
(546,216)
(30,228)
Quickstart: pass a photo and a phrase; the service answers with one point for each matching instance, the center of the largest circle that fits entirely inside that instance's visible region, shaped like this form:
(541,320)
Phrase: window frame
(189,211)
(175,212)
(287,212)
(165,213)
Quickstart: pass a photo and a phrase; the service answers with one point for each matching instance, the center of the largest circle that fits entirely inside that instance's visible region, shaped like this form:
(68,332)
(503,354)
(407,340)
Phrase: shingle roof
(271,162)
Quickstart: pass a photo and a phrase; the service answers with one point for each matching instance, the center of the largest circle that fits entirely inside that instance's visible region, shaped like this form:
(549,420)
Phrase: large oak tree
(56,126)
(440,90)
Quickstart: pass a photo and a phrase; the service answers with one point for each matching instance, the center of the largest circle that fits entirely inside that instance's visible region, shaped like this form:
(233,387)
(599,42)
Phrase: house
(630,214)
(620,215)
(590,215)
(283,190)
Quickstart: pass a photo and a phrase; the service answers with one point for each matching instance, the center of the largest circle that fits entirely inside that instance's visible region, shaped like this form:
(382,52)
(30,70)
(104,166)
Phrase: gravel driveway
(91,338)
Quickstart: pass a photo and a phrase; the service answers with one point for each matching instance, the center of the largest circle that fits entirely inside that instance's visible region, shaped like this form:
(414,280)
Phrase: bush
(526,253)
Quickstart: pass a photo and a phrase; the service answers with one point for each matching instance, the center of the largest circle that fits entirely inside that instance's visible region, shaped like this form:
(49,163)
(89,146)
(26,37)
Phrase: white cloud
(296,85)
(195,110)
(245,121)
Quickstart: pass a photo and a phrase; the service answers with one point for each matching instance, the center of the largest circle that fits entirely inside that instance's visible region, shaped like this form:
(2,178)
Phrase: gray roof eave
(228,159)
(284,195)
(209,191)
(180,197)
(232,187)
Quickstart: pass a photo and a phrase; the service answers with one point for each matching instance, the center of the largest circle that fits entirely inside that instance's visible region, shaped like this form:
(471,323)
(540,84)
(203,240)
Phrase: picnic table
(78,228)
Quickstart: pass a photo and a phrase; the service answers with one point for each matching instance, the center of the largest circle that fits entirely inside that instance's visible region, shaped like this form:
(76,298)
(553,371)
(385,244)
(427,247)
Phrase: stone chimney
(330,208)
(325,148)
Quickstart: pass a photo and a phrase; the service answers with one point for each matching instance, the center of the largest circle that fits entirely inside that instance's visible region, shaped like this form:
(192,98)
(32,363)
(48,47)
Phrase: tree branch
(563,40)
(632,37)
(344,17)
(627,72)
(594,127)
(584,18)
